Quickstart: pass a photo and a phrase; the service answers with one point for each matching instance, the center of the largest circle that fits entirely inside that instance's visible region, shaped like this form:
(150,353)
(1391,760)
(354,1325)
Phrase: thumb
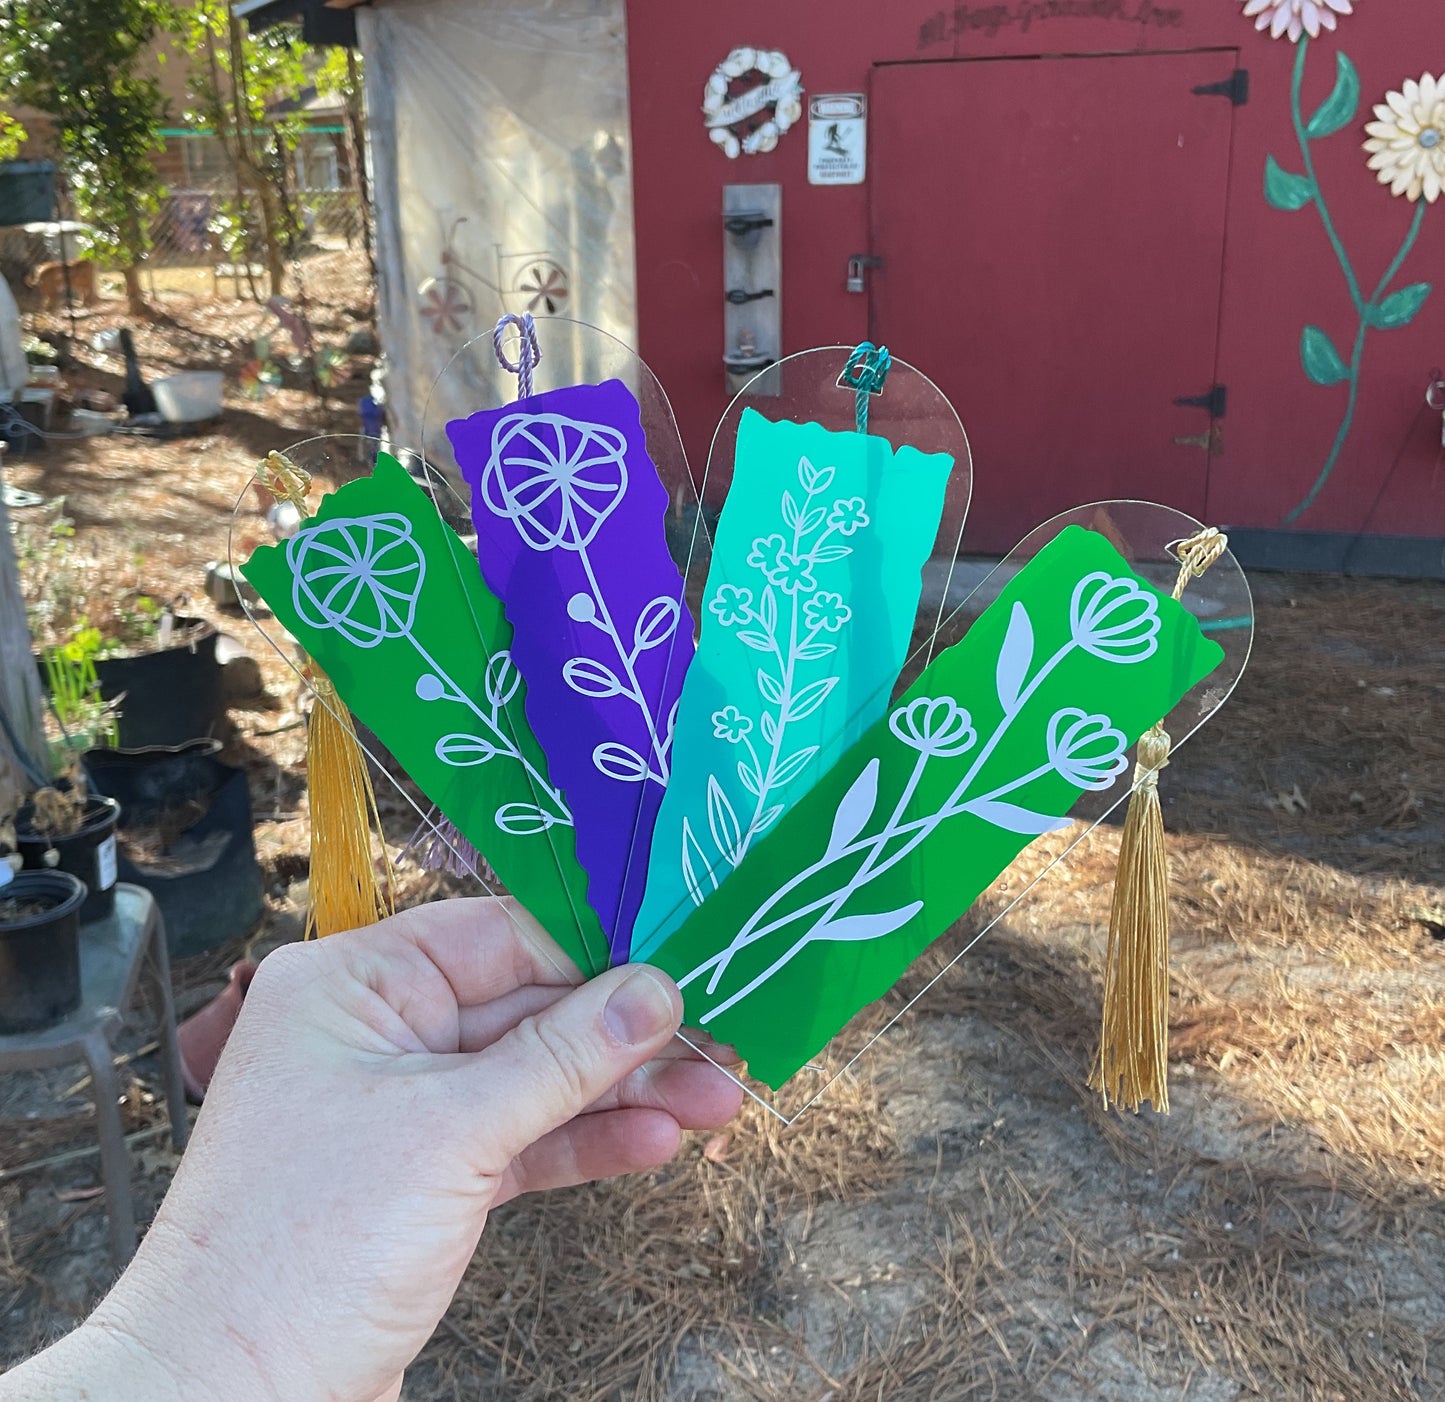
(552,1066)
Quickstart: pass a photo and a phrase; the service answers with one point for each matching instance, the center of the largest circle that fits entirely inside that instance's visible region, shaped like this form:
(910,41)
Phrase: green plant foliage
(1285,190)
(1321,361)
(1400,308)
(1340,107)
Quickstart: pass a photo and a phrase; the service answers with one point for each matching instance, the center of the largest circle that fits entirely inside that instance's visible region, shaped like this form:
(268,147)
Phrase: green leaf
(1285,190)
(1320,359)
(1341,105)
(1400,308)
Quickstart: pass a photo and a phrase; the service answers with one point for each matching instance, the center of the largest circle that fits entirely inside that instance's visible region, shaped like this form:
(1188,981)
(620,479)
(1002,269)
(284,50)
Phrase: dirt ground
(957,1218)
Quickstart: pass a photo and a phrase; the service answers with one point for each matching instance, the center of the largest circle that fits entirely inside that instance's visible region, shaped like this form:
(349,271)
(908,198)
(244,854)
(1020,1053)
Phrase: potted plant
(39,948)
(161,666)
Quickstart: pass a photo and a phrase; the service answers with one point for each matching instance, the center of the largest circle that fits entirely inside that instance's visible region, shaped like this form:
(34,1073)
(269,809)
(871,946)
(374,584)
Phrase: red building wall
(1281,271)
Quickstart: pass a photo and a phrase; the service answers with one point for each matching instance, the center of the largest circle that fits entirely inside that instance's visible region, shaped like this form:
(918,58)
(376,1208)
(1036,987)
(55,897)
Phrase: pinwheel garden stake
(345,893)
(1133,1061)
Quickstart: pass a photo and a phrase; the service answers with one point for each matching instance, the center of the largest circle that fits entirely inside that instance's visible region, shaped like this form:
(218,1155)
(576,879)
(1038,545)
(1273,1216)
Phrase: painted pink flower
(1296,17)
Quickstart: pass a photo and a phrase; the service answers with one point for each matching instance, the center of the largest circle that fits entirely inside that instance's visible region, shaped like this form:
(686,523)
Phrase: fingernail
(640,1009)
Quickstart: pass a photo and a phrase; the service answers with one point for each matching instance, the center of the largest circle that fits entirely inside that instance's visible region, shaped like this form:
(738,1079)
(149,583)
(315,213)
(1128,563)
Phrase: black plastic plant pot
(40,953)
(88,854)
(167,697)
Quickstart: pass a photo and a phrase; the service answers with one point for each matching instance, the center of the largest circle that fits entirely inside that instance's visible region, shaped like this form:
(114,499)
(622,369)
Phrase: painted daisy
(1296,17)
(1407,143)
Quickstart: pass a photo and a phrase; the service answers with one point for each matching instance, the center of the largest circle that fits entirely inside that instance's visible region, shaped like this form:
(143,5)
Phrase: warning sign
(837,138)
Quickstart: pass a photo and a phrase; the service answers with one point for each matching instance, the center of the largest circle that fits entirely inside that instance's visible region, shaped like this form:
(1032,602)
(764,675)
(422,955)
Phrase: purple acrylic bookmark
(569,516)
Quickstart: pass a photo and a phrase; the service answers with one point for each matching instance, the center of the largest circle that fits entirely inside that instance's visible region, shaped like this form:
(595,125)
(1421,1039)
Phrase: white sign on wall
(837,138)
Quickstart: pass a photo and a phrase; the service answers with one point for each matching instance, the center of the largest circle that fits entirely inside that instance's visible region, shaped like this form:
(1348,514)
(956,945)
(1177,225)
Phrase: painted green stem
(1364,309)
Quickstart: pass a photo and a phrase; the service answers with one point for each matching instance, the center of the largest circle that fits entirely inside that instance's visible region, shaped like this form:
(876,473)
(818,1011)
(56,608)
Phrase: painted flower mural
(1407,152)
(1407,140)
(1296,17)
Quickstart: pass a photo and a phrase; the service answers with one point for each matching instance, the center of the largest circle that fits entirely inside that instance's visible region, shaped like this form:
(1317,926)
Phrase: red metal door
(1052,235)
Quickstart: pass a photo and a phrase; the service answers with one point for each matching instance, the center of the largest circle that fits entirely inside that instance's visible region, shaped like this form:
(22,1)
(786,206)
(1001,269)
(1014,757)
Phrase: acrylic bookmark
(391,604)
(569,516)
(807,615)
(990,747)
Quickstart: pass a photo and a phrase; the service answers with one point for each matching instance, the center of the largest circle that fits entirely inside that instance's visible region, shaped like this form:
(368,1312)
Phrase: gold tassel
(345,893)
(1132,1065)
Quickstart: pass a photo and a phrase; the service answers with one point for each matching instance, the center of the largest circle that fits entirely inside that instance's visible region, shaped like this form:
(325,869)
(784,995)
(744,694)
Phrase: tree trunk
(134,296)
(19,681)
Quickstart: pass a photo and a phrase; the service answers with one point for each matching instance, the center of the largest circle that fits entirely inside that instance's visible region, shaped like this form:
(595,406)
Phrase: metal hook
(864,373)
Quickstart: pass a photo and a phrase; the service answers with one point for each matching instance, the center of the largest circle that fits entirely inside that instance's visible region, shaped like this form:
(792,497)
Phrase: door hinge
(1216,401)
(1235,88)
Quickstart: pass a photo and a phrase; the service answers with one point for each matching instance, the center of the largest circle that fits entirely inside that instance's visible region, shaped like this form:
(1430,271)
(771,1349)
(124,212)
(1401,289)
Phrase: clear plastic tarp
(503,183)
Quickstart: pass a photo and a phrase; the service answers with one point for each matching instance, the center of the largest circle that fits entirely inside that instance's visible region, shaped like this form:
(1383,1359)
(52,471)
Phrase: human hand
(381,1092)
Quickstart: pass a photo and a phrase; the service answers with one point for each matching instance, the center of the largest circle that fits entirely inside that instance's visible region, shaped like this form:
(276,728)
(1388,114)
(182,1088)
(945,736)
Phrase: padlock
(855,275)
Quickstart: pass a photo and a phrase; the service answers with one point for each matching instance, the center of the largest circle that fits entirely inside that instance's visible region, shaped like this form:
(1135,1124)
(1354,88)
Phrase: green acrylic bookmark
(990,747)
(807,614)
(391,604)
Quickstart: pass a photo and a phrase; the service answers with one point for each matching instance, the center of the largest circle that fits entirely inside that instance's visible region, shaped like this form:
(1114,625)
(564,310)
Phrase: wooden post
(19,681)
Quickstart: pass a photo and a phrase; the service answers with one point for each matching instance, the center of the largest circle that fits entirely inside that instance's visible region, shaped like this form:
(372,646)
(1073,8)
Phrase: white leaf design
(523,819)
(618,761)
(1015,658)
(826,554)
(855,809)
(722,821)
(1011,818)
(822,478)
(689,869)
(502,680)
(794,765)
(868,927)
(770,728)
(807,475)
(810,698)
(748,777)
(590,677)
(655,624)
(814,651)
(768,608)
(462,751)
(790,510)
(768,817)
(814,518)
(759,642)
(770,686)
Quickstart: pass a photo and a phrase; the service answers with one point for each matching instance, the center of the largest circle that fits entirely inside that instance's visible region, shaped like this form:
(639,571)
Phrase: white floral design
(1113,619)
(362,577)
(1407,140)
(1296,17)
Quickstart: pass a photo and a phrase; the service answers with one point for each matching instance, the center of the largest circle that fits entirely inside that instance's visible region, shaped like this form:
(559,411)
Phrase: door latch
(856,264)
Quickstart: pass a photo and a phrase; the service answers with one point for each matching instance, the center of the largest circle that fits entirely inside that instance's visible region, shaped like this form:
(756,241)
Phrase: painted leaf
(814,651)
(769,728)
(522,819)
(655,624)
(1015,657)
(770,687)
(1400,308)
(1011,818)
(1341,105)
(868,927)
(813,519)
(855,809)
(502,681)
(826,554)
(759,642)
(790,511)
(1284,189)
(589,677)
(768,817)
(690,867)
(768,608)
(748,777)
(1320,359)
(621,762)
(463,751)
(791,767)
(810,698)
(722,821)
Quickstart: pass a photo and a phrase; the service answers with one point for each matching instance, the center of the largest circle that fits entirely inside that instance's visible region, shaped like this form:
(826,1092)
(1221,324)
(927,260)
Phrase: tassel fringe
(1132,1065)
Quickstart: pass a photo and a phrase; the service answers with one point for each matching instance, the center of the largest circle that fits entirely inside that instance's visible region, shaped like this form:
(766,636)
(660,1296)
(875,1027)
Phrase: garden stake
(1132,1064)
(344,891)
